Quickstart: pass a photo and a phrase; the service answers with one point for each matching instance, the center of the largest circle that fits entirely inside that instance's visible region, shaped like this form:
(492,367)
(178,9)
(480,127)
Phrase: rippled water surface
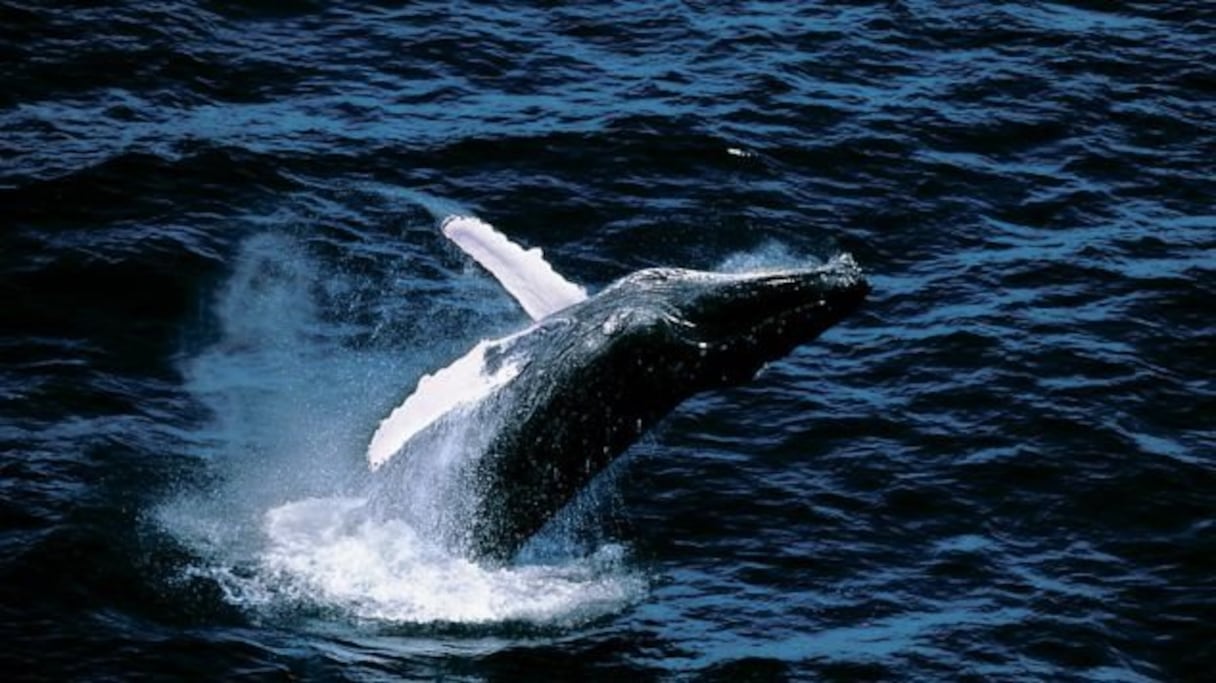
(220,267)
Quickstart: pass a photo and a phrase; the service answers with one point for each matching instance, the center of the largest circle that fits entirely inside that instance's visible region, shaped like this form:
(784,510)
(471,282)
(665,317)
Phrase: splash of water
(289,522)
(770,255)
(329,552)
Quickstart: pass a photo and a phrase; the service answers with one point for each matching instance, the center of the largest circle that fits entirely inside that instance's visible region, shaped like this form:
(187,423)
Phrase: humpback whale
(556,402)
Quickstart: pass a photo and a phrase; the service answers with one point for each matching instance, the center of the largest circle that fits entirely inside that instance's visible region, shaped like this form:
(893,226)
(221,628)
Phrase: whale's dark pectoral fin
(523,272)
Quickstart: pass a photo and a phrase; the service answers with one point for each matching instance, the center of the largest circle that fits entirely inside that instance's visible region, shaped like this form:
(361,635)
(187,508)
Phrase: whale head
(723,327)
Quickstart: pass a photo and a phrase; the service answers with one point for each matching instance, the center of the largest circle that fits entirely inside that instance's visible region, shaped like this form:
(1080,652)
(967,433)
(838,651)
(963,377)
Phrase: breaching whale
(562,398)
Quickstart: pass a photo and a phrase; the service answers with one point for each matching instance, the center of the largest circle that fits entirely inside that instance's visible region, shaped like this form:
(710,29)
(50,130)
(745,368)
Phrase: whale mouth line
(790,315)
(786,317)
(846,288)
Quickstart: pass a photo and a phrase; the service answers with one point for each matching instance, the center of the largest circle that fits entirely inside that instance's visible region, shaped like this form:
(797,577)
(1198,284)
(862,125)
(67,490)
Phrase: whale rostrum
(559,400)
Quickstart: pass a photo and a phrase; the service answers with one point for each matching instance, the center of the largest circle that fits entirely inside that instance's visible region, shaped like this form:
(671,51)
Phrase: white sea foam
(329,552)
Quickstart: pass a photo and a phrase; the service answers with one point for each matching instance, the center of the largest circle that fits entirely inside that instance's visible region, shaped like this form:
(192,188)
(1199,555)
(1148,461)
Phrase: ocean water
(220,268)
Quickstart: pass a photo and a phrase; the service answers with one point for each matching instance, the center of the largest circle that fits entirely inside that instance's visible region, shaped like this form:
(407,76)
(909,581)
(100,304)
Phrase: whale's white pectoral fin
(523,272)
(526,276)
(462,383)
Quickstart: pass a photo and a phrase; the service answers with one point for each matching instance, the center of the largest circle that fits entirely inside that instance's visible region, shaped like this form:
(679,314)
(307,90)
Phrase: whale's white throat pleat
(524,273)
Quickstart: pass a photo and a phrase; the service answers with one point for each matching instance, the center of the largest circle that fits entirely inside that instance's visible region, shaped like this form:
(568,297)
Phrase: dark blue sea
(220,268)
